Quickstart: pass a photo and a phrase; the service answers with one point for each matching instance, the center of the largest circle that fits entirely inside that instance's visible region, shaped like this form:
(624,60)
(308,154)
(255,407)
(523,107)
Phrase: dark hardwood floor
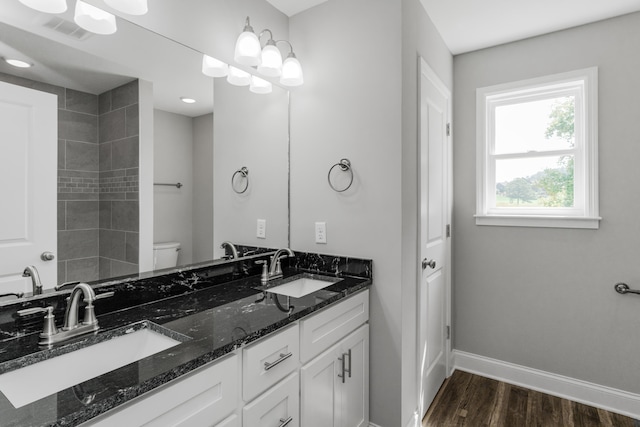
(473,401)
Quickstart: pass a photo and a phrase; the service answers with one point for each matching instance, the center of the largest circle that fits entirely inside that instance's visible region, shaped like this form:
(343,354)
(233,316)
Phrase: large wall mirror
(115,91)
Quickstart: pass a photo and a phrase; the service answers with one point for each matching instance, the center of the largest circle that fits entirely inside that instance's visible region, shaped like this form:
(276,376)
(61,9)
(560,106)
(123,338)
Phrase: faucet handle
(49,325)
(264,277)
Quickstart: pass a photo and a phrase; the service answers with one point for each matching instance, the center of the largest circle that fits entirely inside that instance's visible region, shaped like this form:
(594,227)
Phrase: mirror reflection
(122,127)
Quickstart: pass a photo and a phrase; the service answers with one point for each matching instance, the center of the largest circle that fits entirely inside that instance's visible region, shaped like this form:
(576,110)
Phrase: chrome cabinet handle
(428,263)
(47,256)
(349,369)
(345,370)
(623,288)
(285,421)
(282,358)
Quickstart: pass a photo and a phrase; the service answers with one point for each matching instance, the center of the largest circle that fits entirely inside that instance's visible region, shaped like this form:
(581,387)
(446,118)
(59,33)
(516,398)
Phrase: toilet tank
(165,254)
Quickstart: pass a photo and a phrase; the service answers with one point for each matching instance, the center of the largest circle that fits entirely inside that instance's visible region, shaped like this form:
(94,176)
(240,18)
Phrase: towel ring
(244,173)
(345,166)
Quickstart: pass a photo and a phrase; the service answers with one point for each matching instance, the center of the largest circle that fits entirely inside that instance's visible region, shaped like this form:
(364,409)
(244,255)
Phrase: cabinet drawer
(279,406)
(328,326)
(200,398)
(232,421)
(268,361)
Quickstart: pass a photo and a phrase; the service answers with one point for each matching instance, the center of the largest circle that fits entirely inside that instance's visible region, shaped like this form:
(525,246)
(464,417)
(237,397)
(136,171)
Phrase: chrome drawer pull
(283,357)
(285,422)
(342,375)
(349,369)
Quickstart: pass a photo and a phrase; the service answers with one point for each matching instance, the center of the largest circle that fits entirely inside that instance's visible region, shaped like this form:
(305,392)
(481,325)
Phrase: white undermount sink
(305,285)
(33,382)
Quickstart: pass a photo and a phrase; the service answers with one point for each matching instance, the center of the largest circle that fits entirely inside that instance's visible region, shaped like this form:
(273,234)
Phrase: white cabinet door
(335,385)
(232,421)
(319,404)
(277,407)
(28,174)
(354,391)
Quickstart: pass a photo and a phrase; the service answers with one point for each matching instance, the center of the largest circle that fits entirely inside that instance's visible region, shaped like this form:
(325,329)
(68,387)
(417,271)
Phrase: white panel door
(434,214)
(28,188)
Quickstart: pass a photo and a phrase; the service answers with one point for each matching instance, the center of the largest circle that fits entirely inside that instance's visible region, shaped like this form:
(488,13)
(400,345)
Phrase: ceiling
(291,7)
(467,25)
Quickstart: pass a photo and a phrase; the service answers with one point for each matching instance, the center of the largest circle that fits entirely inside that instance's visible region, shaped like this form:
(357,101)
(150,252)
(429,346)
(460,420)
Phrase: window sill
(539,221)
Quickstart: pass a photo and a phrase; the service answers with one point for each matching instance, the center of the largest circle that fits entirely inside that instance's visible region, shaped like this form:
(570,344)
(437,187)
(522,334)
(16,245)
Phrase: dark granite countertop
(211,318)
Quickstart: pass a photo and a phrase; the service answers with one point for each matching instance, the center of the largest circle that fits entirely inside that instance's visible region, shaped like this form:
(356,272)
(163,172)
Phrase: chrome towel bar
(177,185)
(623,288)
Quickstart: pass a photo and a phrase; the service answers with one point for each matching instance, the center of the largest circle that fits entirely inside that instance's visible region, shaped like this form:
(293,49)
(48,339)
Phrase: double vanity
(215,344)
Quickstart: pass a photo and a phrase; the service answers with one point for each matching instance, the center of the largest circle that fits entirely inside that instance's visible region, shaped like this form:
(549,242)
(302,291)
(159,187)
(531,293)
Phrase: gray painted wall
(172,163)
(544,298)
(202,227)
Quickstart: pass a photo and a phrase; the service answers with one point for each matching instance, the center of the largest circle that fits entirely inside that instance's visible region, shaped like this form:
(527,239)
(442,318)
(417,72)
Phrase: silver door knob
(428,263)
(47,256)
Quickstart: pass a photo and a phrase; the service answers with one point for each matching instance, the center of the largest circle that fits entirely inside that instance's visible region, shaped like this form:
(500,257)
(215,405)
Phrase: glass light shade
(271,61)
(47,6)
(213,67)
(238,77)
(132,7)
(291,72)
(18,63)
(94,19)
(259,85)
(248,50)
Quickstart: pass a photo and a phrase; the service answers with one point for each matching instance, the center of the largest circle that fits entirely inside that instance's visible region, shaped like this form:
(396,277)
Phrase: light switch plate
(261,232)
(321,232)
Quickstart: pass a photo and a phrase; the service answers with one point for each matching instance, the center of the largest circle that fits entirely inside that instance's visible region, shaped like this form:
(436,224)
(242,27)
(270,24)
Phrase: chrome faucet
(51,334)
(232,248)
(275,270)
(32,271)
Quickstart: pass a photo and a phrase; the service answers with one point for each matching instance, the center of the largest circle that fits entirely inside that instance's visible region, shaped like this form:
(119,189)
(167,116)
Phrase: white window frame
(583,85)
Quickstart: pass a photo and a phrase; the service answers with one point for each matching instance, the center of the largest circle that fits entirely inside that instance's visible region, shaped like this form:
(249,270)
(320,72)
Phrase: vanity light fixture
(47,6)
(17,63)
(187,100)
(268,60)
(259,85)
(132,7)
(94,19)
(213,67)
(238,77)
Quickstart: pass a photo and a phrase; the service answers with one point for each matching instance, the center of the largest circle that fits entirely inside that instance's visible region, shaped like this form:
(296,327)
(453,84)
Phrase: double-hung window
(537,152)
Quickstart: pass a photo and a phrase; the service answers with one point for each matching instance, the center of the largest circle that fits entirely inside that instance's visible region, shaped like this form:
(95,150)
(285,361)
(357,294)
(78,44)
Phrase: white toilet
(165,254)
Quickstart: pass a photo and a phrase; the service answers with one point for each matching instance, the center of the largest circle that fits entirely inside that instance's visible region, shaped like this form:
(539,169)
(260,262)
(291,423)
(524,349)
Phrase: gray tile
(62,272)
(125,95)
(104,102)
(133,123)
(82,215)
(61,153)
(77,244)
(82,156)
(105,214)
(81,102)
(133,172)
(62,215)
(125,215)
(77,196)
(113,196)
(104,154)
(112,173)
(112,126)
(112,244)
(104,268)
(78,174)
(125,153)
(82,270)
(132,247)
(123,268)
(77,126)
(133,195)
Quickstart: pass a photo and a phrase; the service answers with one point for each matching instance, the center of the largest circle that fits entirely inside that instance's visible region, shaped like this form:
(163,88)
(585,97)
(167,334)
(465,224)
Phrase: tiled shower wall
(97,180)
(119,162)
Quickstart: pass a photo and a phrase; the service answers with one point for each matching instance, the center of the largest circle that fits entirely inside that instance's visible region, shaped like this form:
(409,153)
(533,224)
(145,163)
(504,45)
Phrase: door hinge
(448,230)
(448,332)
(448,129)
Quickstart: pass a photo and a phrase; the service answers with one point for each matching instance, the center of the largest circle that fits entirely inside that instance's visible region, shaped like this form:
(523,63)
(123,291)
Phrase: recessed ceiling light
(187,100)
(17,63)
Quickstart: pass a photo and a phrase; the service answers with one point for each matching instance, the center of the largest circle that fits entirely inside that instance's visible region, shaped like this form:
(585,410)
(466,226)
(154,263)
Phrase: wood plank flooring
(474,401)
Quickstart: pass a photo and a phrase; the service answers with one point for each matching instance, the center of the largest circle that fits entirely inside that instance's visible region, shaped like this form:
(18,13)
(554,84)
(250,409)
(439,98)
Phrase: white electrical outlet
(261,232)
(321,232)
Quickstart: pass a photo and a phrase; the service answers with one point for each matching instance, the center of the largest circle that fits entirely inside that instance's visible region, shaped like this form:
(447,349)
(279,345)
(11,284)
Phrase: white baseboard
(599,396)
